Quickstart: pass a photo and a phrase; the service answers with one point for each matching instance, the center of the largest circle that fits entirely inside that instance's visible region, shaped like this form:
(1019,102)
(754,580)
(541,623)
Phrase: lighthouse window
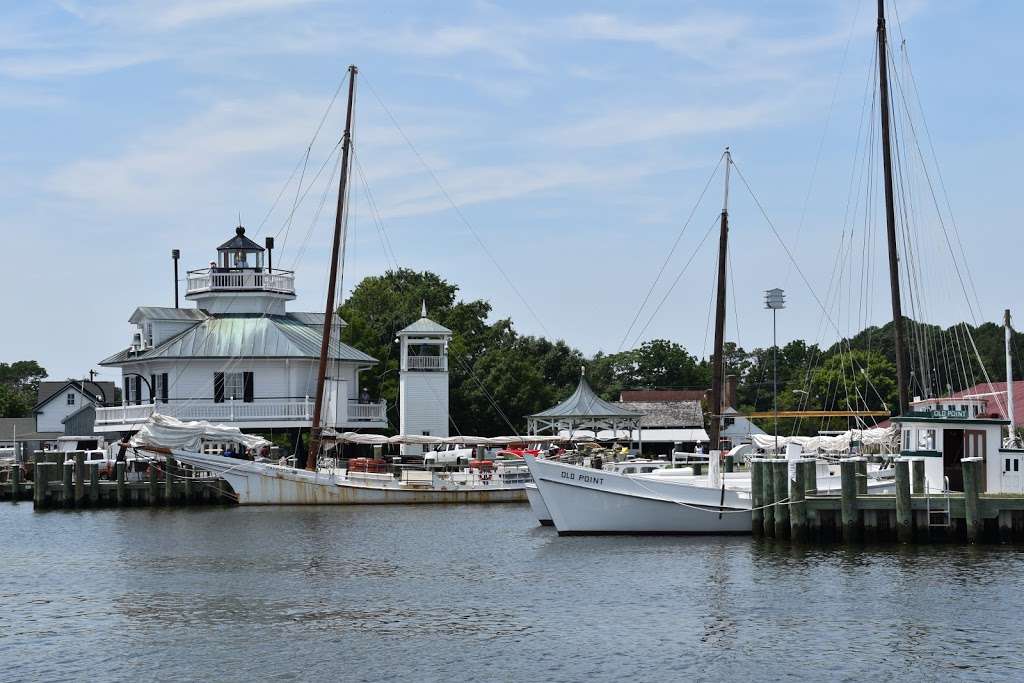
(233,385)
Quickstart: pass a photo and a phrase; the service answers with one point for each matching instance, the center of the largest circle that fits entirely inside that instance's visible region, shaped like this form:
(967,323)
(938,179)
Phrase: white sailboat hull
(540,510)
(266,484)
(587,501)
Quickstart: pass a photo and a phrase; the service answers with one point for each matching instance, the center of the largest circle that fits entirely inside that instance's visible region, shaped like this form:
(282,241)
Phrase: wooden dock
(60,482)
(791,508)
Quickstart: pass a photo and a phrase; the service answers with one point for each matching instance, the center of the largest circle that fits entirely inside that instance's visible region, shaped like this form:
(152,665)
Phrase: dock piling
(780,481)
(972,489)
(862,476)
(79,457)
(15,482)
(756,496)
(120,467)
(848,501)
(39,478)
(904,512)
(768,496)
(797,506)
(67,483)
(154,483)
(94,483)
(169,471)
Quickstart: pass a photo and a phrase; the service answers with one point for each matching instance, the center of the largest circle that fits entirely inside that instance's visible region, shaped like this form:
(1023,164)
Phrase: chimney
(729,391)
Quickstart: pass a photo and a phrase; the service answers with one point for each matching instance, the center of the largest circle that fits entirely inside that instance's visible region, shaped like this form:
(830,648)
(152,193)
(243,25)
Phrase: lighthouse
(423,380)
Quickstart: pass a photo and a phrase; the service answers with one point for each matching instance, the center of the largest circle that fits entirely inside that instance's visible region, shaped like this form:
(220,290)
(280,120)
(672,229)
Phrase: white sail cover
(887,437)
(169,432)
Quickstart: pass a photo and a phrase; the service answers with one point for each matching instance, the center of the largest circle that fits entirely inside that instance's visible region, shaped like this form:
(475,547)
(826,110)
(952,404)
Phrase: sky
(542,156)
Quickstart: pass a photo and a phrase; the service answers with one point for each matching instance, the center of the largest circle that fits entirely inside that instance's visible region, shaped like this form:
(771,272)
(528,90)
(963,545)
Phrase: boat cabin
(943,431)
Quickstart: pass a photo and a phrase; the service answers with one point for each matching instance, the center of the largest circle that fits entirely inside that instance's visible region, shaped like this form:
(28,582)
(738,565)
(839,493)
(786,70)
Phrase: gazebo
(583,412)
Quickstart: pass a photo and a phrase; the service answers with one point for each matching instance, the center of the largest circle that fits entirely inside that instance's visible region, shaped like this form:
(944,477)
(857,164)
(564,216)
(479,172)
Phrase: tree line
(499,376)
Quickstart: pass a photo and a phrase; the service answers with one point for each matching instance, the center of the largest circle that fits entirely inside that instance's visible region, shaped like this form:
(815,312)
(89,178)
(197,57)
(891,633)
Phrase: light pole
(775,300)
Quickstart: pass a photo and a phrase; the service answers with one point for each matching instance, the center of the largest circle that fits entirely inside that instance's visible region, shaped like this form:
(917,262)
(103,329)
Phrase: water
(481,593)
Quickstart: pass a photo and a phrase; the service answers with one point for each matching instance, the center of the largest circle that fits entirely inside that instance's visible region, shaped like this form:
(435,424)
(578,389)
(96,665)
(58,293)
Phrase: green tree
(19,385)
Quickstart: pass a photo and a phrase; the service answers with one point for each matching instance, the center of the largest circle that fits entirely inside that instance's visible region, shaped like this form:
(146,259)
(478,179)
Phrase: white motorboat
(581,500)
(540,510)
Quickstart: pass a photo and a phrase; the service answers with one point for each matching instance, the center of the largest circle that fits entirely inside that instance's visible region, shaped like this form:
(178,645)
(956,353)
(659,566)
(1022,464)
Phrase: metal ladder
(938,517)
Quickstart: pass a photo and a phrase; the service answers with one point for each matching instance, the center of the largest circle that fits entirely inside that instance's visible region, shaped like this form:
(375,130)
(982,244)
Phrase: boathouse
(239,356)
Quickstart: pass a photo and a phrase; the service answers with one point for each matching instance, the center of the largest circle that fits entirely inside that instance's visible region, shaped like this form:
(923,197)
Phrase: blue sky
(575,137)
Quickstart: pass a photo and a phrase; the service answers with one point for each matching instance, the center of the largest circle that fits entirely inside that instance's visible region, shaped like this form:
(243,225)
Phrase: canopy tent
(583,414)
(381,440)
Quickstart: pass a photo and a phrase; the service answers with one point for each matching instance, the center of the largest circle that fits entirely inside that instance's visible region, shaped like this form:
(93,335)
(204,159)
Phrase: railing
(425,362)
(359,412)
(235,411)
(207,281)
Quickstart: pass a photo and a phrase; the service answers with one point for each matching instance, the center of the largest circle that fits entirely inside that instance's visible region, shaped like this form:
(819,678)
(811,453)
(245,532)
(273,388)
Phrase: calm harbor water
(481,593)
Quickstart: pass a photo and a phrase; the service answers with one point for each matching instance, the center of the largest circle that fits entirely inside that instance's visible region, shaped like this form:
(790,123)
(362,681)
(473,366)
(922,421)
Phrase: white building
(239,357)
(423,380)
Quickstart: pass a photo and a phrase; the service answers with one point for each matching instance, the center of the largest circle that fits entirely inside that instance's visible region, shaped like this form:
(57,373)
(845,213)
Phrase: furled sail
(164,431)
(887,437)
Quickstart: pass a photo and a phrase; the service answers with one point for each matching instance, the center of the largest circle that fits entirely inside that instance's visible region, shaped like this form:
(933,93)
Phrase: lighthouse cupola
(238,281)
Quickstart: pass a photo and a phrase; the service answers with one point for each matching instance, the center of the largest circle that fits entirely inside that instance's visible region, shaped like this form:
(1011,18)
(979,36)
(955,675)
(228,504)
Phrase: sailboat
(323,481)
(581,500)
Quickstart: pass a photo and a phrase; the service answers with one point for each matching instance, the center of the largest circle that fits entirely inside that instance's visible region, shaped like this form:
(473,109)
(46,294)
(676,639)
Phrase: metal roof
(315,318)
(245,336)
(240,242)
(585,403)
(425,326)
(162,313)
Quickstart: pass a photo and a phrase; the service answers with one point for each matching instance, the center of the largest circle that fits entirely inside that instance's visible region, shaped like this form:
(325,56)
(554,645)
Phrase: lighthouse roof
(240,242)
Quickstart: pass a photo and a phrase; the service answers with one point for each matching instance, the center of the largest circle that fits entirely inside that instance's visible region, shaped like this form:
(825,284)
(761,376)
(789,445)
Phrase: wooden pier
(789,507)
(67,481)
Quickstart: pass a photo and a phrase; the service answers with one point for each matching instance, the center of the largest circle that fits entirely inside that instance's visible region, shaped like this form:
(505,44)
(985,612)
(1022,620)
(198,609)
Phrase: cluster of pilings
(786,504)
(68,481)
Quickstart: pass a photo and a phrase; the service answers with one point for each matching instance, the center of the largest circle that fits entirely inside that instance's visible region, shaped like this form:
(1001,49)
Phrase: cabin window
(926,440)
(1016,464)
(963,409)
(729,421)
(1006,465)
(906,439)
(71,399)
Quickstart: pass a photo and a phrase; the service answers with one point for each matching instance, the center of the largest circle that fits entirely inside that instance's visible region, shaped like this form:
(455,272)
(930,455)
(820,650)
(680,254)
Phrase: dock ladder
(939,516)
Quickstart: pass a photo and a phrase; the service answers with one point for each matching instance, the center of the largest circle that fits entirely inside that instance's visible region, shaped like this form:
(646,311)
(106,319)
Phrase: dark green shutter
(247,387)
(163,387)
(218,387)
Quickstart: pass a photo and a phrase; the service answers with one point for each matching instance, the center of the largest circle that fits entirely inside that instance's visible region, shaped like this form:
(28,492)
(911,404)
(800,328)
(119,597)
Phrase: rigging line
(328,160)
(824,133)
(304,158)
(671,252)
(455,207)
(789,254)
(676,281)
(942,223)
(389,251)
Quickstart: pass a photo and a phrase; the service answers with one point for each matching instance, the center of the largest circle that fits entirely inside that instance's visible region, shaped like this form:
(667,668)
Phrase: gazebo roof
(584,403)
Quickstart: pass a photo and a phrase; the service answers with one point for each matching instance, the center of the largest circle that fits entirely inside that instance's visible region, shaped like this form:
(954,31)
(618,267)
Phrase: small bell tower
(423,380)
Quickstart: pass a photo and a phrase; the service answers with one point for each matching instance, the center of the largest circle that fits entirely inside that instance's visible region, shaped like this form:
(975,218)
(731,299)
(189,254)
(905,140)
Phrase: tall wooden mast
(339,219)
(717,360)
(902,376)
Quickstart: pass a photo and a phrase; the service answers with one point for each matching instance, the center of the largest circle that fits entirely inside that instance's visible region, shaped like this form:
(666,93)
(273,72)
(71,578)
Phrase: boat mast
(339,217)
(890,220)
(717,360)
